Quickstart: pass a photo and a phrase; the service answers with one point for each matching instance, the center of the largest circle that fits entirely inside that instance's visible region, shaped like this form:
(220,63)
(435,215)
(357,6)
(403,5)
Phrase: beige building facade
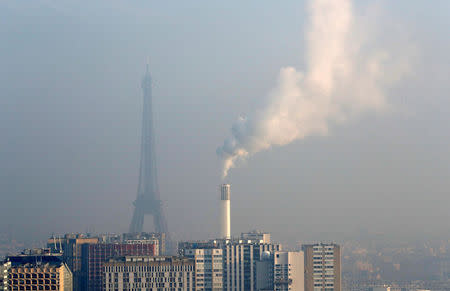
(208,268)
(39,276)
(322,267)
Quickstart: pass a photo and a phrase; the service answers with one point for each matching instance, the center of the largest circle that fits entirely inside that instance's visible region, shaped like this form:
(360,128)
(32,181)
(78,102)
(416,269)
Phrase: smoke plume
(346,74)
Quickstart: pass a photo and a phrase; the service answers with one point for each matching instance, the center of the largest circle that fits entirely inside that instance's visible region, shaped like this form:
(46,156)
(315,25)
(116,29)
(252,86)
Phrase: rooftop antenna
(54,240)
(60,246)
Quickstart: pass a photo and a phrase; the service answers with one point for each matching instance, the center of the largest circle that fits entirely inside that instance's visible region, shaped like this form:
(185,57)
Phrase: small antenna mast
(60,246)
(54,240)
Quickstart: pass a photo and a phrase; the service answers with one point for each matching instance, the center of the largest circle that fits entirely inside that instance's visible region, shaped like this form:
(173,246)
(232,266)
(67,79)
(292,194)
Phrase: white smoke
(346,75)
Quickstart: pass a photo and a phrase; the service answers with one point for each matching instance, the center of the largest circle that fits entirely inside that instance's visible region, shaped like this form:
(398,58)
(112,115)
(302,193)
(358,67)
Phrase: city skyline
(71,110)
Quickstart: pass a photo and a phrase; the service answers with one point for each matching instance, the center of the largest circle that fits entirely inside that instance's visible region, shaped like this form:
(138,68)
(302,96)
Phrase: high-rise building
(208,267)
(288,271)
(95,255)
(71,248)
(322,267)
(37,270)
(77,257)
(149,273)
(264,272)
(240,257)
(280,271)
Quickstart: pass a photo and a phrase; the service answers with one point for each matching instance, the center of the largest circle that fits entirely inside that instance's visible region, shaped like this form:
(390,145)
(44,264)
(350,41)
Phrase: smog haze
(71,113)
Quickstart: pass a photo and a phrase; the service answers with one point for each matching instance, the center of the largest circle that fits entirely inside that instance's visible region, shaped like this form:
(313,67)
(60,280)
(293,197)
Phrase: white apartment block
(240,257)
(288,271)
(280,271)
(208,267)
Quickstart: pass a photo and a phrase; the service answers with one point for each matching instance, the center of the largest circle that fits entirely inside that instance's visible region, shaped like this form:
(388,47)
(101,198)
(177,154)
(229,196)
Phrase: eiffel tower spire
(148,201)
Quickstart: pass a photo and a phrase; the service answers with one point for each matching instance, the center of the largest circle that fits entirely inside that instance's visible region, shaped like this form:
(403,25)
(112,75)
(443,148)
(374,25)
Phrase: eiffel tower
(148,201)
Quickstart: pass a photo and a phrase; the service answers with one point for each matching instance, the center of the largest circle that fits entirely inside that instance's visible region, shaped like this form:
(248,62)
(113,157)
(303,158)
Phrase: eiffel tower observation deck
(148,199)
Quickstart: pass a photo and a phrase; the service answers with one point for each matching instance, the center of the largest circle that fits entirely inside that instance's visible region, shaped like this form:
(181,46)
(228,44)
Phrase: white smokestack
(347,74)
(225,228)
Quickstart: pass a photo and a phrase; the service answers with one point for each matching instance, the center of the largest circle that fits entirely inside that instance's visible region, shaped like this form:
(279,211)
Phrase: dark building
(71,248)
(95,255)
(75,251)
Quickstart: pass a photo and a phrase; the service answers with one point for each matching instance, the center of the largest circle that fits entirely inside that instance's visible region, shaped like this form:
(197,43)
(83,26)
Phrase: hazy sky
(70,118)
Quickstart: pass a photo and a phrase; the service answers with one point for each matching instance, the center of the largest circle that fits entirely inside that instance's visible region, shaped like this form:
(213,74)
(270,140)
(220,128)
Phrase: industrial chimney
(225,231)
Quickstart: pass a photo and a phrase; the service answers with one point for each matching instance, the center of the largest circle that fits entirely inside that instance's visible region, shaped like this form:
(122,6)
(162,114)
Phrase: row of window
(147,279)
(323,267)
(139,289)
(327,247)
(144,285)
(33,275)
(149,274)
(139,280)
(208,260)
(149,268)
(42,287)
(321,257)
(34,282)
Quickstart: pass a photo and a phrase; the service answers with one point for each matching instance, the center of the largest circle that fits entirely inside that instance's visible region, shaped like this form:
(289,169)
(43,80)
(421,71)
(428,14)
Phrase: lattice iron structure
(148,199)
